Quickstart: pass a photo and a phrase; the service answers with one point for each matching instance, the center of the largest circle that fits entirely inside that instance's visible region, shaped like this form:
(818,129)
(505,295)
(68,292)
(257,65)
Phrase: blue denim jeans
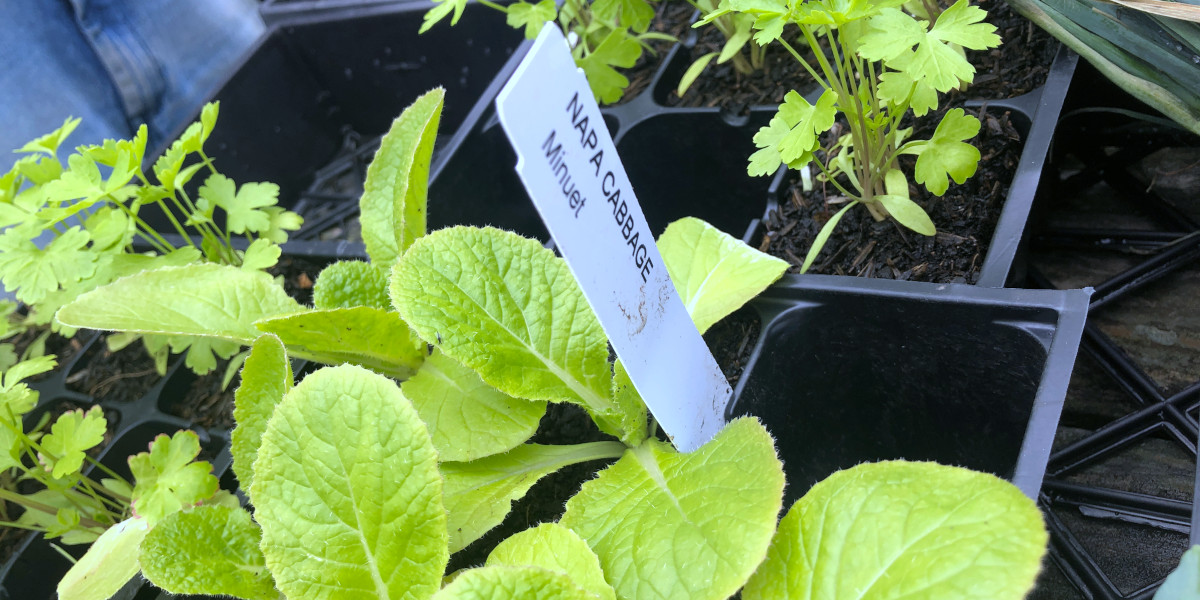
(115,63)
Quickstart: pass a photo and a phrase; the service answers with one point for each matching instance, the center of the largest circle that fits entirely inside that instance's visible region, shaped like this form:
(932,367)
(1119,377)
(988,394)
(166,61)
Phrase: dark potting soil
(723,85)
(564,423)
(731,341)
(1019,65)
(1022,61)
(965,218)
(122,376)
(672,18)
(63,348)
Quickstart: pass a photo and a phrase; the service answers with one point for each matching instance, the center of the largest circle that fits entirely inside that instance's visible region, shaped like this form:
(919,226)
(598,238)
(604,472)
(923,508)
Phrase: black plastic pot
(319,84)
(849,370)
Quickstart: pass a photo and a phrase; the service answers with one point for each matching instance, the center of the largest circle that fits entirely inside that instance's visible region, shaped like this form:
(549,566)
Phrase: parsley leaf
(243,208)
(531,16)
(167,479)
(618,49)
(70,436)
(947,154)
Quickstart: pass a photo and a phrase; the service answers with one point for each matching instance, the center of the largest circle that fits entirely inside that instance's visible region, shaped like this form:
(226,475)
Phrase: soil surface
(62,347)
(731,341)
(965,218)
(1019,65)
(672,18)
(122,376)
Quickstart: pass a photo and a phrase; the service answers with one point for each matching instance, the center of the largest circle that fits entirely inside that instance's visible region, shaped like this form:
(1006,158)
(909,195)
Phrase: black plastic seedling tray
(849,370)
(318,84)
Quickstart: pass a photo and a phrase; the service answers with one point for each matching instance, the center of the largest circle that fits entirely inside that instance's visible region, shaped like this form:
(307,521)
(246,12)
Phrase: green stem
(831,179)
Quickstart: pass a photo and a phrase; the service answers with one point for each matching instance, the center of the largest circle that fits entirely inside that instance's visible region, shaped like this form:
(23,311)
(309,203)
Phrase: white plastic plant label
(569,164)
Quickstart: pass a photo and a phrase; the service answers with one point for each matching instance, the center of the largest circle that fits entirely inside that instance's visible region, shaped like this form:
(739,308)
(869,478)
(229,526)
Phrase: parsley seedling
(69,229)
(876,63)
(611,34)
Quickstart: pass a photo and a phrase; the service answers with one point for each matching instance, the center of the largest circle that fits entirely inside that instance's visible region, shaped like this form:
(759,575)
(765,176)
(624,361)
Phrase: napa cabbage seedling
(85,212)
(352,499)
(610,34)
(876,64)
(740,48)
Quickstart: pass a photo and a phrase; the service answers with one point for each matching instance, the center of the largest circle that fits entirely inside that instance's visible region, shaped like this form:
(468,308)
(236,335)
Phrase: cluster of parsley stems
(187,207)
(114,503)
(871,158)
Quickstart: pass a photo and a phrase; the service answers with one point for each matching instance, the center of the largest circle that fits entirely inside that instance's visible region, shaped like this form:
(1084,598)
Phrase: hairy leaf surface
(900,529)
(371,337)
(394,193)
(205,300)
(350,283)
(555,548)
(714,273)
(208,550)
(480,493)
(347,492)
(670,525)
(511,583)
(266,377)
(108,564)
(509,309)
(467,418)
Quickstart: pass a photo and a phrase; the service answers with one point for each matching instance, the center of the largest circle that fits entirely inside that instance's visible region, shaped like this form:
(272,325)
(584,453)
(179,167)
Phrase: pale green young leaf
(807,122)
(72,434)
(743,29)
(767,159)
(629,14)
(511,583)
(962,24)
(618,49)
(441,9)
(266,377)
(467,418)
(835,13)
(202,299)
(891,34)
(693,71)
(261,255)
(714,273)
(363,335)
(907,213)
(57,525)
(24,370)
(901,207)
(482,296)
(49,143)
(243,207)
(531,16)
(169,478)
(107,565)
(208,119)
(208,550)
(349,283)
(111,229)
(892,529)
(1184,582)
(282,221)
(946,155)
(687,526)
(555,548)
(480,493)
(896,88)
(394,194)
(630,406)
(167,166)
(347,492)
(823,236)
(32,273)
(202,351)
(37,169)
